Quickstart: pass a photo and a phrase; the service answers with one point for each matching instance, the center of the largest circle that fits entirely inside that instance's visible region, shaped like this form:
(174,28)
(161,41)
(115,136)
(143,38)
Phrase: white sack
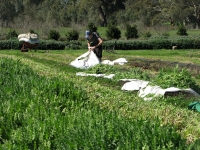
(28,41)
(85,61)
(30,36)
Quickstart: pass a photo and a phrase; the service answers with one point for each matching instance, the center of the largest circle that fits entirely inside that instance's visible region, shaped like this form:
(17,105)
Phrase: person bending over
(94,42)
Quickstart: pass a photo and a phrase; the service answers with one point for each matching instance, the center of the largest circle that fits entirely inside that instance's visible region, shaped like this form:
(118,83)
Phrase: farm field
(46,106)
(102,32)
(154,32)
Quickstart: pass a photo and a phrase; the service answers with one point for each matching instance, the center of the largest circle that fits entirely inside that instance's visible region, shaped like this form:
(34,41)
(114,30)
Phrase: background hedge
(136,44)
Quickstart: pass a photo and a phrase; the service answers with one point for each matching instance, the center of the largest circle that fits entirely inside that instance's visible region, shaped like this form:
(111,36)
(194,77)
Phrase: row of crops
(52,113)
(161,42)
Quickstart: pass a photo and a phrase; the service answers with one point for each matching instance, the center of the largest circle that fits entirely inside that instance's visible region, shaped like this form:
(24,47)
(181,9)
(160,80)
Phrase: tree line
(41,14)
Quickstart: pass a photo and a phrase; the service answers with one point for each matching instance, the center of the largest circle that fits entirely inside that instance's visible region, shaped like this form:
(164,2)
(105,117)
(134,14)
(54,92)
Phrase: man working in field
(94,43)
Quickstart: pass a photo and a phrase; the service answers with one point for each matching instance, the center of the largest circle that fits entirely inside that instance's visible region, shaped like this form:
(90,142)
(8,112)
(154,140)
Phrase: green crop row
(183,43)
(51,113)
(43,45)
(151,43)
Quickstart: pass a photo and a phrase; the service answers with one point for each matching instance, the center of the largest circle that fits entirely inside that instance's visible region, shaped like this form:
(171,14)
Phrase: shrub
(175,77)
(182,30)
(75,44)
(53,34)
(165,34)
(113,32)
(32,31)
(11,34)
(91,26)
(131,31)
(147,34)
(10,44)
(153,43)
(51,45)
(72,35)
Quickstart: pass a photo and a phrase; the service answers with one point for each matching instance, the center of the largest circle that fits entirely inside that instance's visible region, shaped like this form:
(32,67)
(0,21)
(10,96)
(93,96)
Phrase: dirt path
(156,65)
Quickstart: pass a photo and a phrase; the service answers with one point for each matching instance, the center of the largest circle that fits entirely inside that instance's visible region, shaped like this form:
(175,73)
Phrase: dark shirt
(94,39)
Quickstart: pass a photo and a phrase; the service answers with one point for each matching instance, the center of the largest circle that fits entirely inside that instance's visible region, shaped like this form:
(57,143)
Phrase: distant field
(102,32)
(192,32)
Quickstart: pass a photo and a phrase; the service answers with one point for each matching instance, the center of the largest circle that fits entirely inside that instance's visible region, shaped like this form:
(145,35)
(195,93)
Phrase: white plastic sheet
(83,74)
(148,92)
(134,85)
(145,91)
(120,61)
(85,61)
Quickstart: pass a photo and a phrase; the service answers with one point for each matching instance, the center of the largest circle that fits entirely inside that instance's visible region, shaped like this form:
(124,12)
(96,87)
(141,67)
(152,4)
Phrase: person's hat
(87,34)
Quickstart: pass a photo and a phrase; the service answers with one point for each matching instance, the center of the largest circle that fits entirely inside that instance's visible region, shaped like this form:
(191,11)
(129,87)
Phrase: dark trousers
(98,51)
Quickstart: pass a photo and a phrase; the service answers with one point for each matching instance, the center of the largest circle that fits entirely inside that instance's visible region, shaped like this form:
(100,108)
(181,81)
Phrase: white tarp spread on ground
(85,61)
(120,61)
(134,85)
(110,76)
(29,38)
(89,59)
(148,92)
(145,91)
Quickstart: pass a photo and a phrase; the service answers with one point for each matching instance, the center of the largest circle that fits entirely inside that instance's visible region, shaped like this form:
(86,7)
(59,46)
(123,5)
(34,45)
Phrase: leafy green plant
(132,73)
(131,31)
(51,45)
(101,69)
(182,30)
(165,34)
(120,73)
(53,34)
(147,34)
(91,26)
(75,44)
(11,34)
(32,31)
(32,107)
(175,77)
(72,35)
(113,32)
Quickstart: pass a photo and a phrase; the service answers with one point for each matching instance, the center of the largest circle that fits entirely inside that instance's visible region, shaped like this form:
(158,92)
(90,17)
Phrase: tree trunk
(198,21)
(171,21)
(196,15)
(102,17)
